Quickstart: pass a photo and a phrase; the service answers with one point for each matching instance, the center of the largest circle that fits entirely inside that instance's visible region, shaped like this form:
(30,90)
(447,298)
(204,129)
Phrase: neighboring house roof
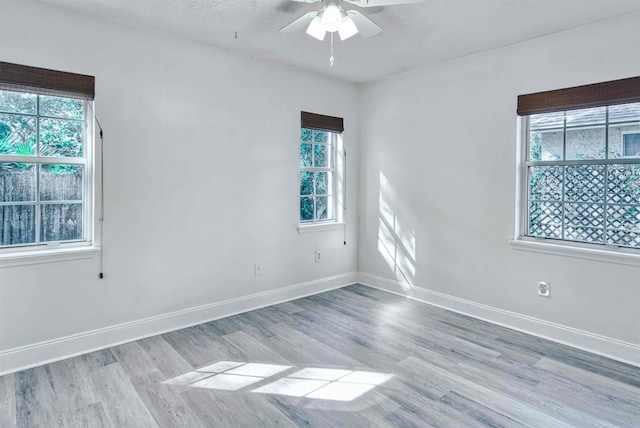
(586,117)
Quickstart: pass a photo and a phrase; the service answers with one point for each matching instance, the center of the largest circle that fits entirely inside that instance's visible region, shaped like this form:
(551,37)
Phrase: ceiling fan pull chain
(331,57)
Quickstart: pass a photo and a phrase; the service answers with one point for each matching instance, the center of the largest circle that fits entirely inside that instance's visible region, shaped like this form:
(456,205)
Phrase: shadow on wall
(396,239)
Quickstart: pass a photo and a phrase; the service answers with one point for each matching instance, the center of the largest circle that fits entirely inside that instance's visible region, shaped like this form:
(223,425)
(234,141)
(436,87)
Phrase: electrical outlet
(544,289)
(318,256)
(257,269)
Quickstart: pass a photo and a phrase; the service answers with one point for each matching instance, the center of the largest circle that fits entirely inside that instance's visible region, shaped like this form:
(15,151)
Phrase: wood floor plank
(97,359)
(70,379)
(36,398)
(305,350)
(120,401)
(164,356)
(192,346)
(7,400)
(134,360)
(91,416)
(254,350)
(168,409)
(425,366)
(234,410)
(525,392)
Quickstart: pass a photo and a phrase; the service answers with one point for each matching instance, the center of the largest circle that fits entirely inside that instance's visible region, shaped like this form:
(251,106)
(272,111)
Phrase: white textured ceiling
(415,35)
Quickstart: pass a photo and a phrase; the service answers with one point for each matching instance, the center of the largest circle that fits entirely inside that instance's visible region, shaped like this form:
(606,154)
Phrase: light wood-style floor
(352,357)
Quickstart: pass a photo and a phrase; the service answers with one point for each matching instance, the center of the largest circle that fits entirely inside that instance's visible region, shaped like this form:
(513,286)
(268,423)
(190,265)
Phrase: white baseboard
(33,355)
(25,357)
(625,352)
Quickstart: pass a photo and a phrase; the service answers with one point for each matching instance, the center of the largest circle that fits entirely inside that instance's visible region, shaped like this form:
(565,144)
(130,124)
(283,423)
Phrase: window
(45,158)
(321,169)
(579,182)
(630,144)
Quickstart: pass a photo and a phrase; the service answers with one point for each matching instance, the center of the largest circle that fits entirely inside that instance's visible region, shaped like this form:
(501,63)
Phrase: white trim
(58,254)
(619,350)
(609,255)
(28,356)
(319,227)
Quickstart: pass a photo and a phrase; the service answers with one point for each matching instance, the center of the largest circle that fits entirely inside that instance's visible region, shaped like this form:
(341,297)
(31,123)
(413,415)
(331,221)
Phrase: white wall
(201,176)
(438,152)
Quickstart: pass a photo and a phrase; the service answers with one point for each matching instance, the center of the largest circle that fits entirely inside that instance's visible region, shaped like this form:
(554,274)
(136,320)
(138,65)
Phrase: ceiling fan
(333,17)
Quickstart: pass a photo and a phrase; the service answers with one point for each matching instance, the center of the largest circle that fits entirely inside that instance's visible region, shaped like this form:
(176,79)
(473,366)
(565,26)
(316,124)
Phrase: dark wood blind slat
(23,78)
(585,96)
(321,122)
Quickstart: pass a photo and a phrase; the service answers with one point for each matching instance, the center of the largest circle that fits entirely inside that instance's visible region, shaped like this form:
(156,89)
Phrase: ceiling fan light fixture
(332,18)
(347,28)
(316,29)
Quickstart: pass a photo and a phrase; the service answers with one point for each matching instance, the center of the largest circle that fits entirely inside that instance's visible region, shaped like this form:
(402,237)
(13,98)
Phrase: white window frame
(55,251)
(521,241)
(337,201)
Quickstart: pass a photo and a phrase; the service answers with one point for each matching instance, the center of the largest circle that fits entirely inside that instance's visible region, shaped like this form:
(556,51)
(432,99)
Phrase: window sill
(608,255)
(23,258)
(319,227)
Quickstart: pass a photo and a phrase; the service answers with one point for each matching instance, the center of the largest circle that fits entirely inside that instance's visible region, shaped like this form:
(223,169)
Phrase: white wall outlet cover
(544,289)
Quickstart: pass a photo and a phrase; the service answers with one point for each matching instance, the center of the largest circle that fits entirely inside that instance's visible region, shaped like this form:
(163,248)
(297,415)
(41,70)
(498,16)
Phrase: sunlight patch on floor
(310,382)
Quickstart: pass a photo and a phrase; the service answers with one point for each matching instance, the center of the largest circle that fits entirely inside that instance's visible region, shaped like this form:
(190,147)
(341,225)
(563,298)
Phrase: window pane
(623,238)
(306,157)
(320,137)
(631,145)
(306,183)
(17,224)
(584,234)
(322,205)
(322,156)
(60,137)
(585,143)
(61,182)
(61,107)
(546,146)
(545,219)
(587,116)
(17,102)
(17,135)
(322,183)
(17,182)
(584,222)
(584,183)
(306,209)
(546,120)
(624,112)
(621,140)
(545,183)
(306,134)
(623,184)
(61,222)
(623,225)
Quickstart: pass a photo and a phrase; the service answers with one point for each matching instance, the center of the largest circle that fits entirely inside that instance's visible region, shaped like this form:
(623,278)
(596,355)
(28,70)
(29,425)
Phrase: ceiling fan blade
(375,3)
(366,27)
(300,23)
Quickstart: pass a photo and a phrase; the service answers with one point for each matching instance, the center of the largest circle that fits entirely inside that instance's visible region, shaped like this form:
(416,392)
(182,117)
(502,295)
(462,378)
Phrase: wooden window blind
(42,81)
(321,122)
(585,96)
